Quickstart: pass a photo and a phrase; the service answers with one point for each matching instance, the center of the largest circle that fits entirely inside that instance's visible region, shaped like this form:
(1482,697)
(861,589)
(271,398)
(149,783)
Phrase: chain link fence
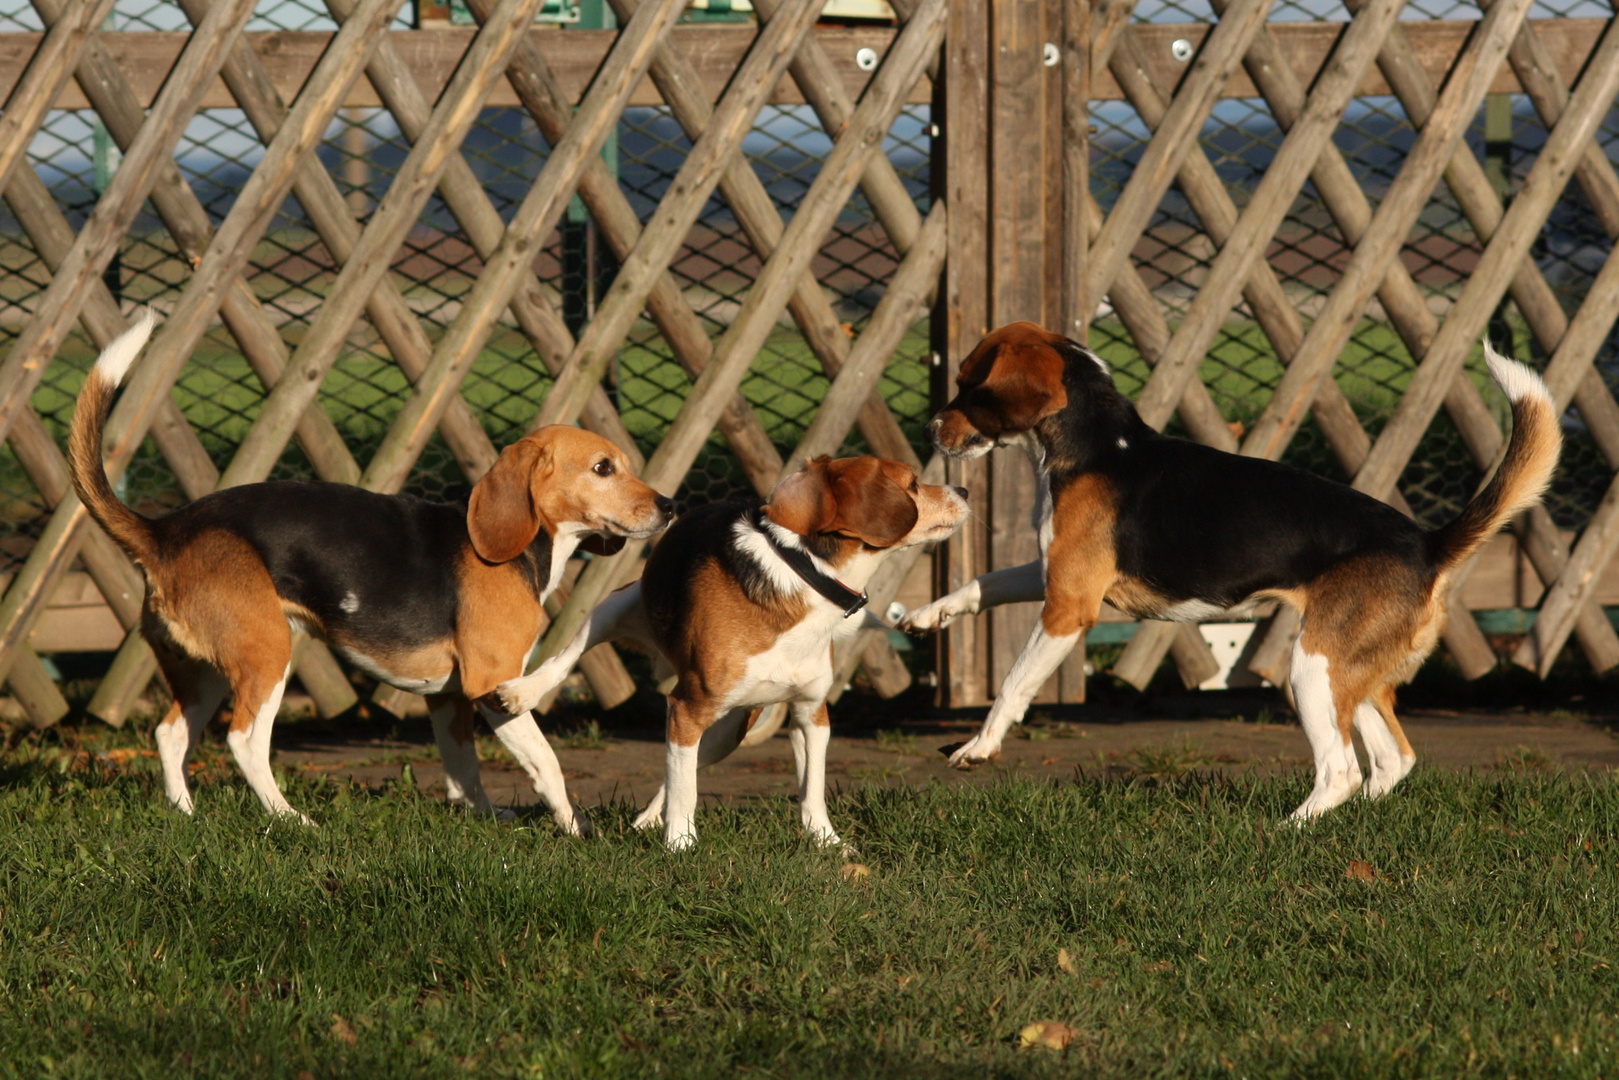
(291,272)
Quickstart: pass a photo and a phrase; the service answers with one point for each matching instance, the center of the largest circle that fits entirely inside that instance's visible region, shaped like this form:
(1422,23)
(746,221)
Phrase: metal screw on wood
(1052,54)
(1181,49)
(866,59)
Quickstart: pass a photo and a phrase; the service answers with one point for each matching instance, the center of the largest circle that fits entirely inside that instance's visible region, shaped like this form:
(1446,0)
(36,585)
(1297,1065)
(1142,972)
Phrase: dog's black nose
(962,492)
(665,505)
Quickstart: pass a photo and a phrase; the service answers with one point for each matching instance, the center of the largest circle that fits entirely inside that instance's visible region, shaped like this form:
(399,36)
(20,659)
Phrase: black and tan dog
(1163,528)
(742,603)
(430,598)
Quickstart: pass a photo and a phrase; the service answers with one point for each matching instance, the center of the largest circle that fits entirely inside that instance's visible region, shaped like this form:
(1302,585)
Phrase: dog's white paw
(515,696)
(935,616)
(975,751)
(680,841)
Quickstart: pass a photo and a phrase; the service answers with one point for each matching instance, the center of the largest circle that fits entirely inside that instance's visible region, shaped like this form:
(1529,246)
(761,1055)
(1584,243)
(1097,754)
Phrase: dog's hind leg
(198,690)
(452,717)
(717,744)
(1389,754)
(1337,771)
(258,699)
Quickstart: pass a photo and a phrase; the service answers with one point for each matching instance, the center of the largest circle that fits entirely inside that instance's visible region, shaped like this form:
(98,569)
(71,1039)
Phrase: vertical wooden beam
(964,656)
(1074,22)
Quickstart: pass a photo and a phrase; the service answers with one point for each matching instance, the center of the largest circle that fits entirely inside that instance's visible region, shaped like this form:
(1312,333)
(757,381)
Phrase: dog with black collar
(741,604)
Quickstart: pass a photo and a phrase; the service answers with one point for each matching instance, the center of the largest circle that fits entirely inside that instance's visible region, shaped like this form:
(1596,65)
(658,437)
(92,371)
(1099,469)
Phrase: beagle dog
(1163,528)
(743,602)
(429,598)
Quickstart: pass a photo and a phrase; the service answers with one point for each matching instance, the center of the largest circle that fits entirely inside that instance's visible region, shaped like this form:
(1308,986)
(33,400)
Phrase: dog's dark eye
(604,467)
(914,486)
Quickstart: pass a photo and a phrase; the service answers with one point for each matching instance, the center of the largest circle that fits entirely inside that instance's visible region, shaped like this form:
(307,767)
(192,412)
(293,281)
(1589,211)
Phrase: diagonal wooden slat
(909,294)
(259,200)
(469,204)
(1396,213)
(1481,204)
(368,262)
(678,211)
(542,95)
(818,209)
(504,270)
(1493,274)
(53,237)
(49,69)
(1275,194)
(1174,139)
(760,220)
(115,210)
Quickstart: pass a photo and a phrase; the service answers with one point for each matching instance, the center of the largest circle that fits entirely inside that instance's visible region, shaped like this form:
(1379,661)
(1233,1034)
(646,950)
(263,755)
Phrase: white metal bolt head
(866,59)
(1181,49)
(1052,54)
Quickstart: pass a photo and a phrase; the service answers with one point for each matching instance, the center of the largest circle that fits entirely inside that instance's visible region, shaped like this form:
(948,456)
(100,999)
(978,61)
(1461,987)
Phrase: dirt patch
(629,766)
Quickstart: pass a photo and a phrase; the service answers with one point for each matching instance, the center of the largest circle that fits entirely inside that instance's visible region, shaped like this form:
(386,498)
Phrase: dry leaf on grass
(1065,962)
(343,1031)
(854,871)
(1361,870)
(1047,1033)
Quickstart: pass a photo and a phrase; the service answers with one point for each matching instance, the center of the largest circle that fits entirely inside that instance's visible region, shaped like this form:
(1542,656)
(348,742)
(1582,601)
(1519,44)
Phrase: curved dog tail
(1525,470)
(132,531)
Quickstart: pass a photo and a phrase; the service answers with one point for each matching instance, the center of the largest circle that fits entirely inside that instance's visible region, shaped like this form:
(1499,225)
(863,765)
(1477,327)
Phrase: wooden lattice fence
(1029,210)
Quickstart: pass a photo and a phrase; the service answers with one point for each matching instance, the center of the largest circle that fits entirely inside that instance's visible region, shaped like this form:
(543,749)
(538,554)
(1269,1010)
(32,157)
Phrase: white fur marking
(1516,380)
(1039,658)
(680,797)
(1337,772)
(350,604)
(113,363)
(1123,445)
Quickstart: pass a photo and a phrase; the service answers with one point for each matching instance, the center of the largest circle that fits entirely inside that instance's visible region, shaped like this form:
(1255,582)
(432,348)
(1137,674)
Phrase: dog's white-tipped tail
(90,413)
(1526,467)
(114,361)
(1517,381)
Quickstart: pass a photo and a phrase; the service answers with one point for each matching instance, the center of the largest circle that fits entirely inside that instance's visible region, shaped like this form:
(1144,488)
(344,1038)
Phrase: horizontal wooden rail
(289,56)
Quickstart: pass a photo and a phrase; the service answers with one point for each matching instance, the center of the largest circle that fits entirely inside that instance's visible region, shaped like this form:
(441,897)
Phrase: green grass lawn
(1465,926)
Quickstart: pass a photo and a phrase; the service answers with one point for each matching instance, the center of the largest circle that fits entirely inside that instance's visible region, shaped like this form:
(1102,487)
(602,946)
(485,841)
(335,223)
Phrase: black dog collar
(825,584)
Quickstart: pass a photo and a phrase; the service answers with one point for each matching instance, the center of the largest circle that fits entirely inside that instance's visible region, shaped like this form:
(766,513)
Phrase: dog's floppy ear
(803,502)
(1028,382)
(501,517)
(871,507)
(597,544)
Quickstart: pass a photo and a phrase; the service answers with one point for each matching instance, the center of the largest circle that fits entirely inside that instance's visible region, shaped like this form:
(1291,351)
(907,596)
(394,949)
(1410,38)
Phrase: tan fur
(212,607)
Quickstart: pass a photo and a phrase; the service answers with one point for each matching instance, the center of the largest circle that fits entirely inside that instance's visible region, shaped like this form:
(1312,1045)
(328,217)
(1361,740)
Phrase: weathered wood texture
(1013,232)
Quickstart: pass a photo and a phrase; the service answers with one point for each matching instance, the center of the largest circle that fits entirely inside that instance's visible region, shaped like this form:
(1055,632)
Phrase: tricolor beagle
(429,598)
(1163,528)
(743,603)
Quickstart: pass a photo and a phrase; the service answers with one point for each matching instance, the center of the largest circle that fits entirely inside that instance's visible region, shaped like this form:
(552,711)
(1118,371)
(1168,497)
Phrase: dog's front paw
(935,616)
(974,751)
(522,694)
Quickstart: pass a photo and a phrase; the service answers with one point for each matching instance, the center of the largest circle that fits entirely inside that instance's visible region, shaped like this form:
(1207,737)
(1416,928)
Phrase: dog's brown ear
(803,503)
(597,544)
(501,517)
(871,507)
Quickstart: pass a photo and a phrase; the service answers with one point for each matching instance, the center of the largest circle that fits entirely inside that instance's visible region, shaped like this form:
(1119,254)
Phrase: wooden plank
(35,690)
(115,210)
(962,651)
(259,200)
(1396,213)
(393,218)
(819,207)
(699,174)
(1246,244)
(288,56)
(38,76)
(1175,138)
(575,55)
(1017,286)
(541,94)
